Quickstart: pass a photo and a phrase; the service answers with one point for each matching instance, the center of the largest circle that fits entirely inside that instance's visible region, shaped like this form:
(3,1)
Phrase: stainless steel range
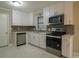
(53,42)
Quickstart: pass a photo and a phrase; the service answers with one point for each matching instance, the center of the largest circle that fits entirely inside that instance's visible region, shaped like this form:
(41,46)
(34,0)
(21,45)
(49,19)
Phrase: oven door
(53,42)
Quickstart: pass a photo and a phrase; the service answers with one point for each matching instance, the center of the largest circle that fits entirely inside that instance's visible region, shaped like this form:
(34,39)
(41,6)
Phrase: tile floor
(25,51)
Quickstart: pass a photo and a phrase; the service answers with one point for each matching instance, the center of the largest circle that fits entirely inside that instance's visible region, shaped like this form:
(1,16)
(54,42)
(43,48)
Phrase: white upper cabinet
(31,22)
(52,11)
(16,18)
(20,18)
(46,15)
(27,19)
(59,8)
(56,9)
(68,13)
(65,8)
(24,19)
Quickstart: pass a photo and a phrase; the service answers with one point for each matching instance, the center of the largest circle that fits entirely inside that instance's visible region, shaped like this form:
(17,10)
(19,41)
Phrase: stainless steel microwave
(58,19)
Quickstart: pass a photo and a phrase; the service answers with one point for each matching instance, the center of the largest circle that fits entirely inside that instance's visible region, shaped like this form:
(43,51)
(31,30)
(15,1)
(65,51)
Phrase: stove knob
(58,45)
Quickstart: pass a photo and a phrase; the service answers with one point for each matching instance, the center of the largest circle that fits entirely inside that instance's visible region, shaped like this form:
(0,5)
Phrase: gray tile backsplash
(69,29)
(23,28)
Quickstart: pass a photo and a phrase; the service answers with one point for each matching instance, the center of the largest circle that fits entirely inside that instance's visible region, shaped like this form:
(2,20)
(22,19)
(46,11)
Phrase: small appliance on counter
(54,35)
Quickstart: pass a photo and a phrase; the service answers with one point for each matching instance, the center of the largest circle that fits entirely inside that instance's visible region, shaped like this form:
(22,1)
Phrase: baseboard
(37,46)
(46,50)
(76,53)
(11,44)
(3,46)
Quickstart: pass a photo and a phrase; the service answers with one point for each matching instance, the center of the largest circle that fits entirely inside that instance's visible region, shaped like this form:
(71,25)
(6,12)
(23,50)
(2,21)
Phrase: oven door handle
(53,36)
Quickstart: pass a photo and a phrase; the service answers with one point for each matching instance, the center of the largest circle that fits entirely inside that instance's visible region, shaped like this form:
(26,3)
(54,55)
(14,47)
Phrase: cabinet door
(16,18)
(46,15)
(30,38)
(51,11)
(59,8)
(43,41)
(30,19)
(35,19)
(36,42)
(35,39)
(24,19)
(27,38)
(27,19)
(56,9)
(68,13)
(67,43)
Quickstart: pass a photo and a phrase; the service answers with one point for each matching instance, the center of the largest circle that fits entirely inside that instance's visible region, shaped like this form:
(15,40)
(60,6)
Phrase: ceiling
(28,6)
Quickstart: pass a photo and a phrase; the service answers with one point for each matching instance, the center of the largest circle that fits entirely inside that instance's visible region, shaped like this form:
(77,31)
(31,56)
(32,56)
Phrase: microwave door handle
(59,20)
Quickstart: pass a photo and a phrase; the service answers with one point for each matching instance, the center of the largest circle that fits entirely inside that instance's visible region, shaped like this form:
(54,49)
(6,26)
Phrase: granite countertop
(39,31)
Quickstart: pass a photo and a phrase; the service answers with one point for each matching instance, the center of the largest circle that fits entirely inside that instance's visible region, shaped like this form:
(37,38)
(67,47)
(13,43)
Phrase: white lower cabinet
(43,41)
(38,39)
(31,38)
(67,45)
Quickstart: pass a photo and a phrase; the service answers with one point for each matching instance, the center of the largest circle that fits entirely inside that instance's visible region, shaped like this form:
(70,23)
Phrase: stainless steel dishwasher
(21,39)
